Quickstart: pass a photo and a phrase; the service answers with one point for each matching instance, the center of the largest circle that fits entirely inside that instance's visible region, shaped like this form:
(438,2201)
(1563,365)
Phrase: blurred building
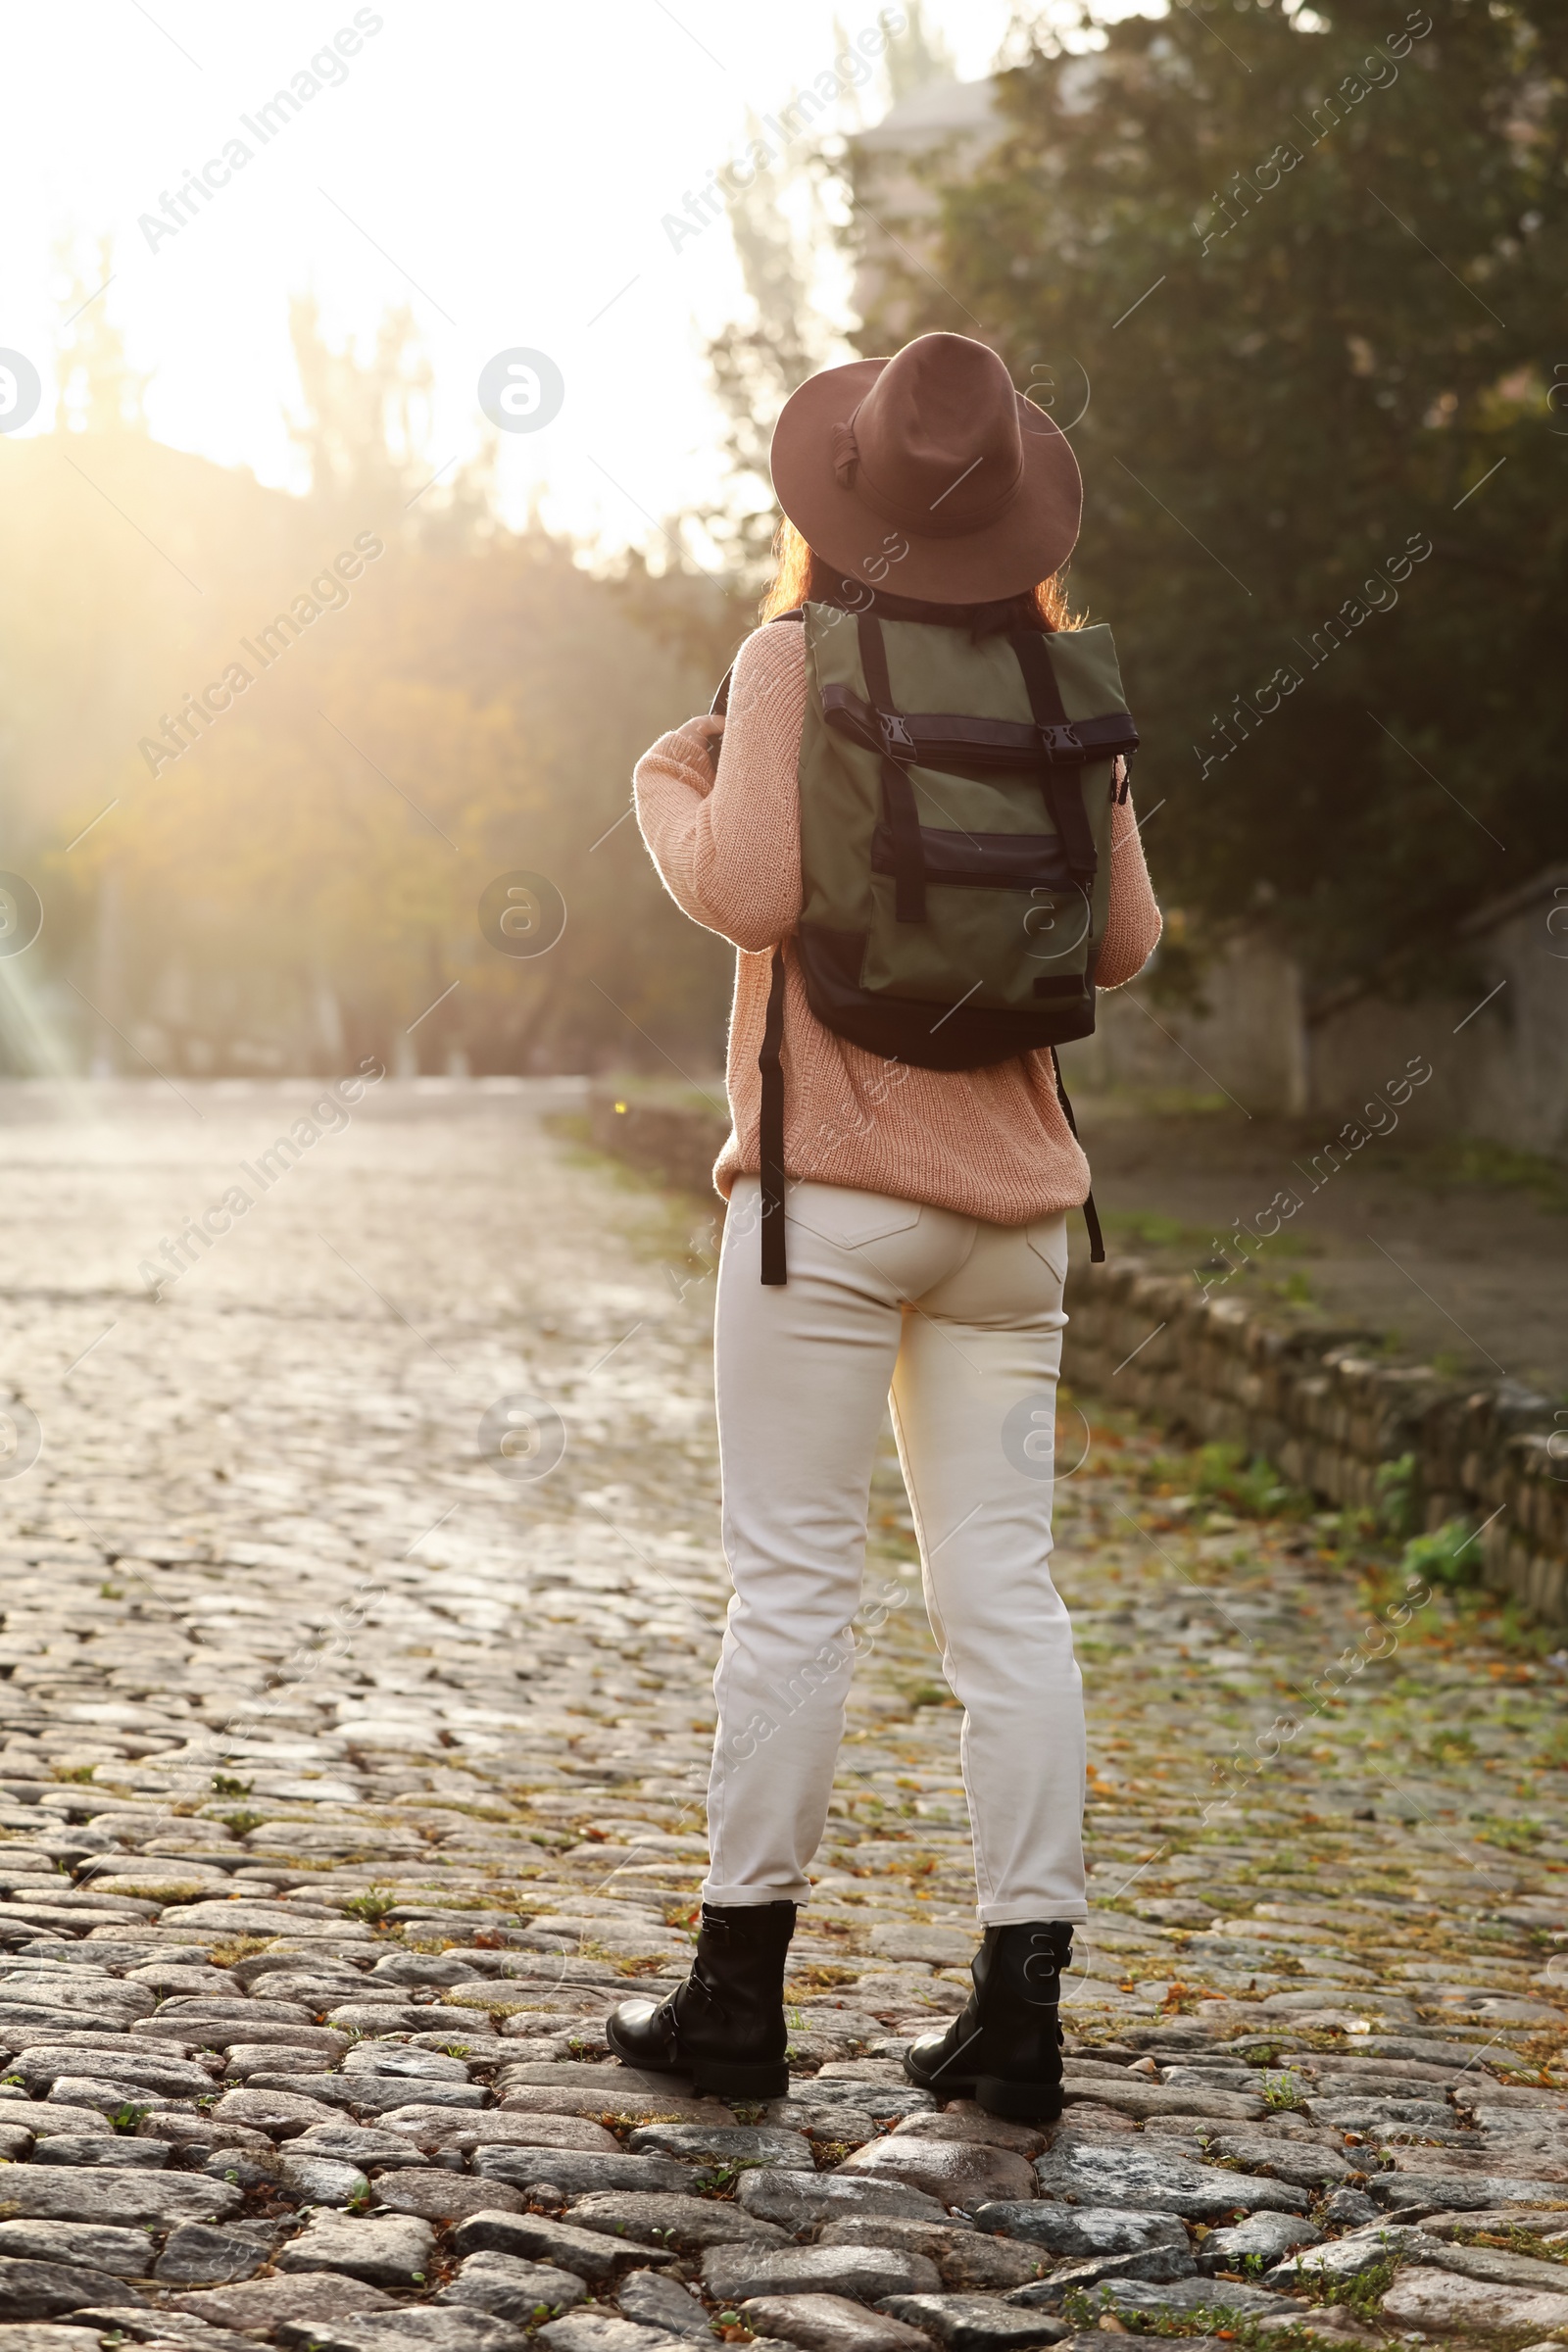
(942,129)
(1498,1043)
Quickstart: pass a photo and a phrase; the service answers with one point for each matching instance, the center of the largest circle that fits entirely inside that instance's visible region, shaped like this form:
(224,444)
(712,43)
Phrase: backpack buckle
(896,736)
(1063,737)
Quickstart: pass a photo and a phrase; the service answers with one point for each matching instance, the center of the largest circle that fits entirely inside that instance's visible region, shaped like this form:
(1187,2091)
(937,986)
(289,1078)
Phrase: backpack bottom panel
(929,1034)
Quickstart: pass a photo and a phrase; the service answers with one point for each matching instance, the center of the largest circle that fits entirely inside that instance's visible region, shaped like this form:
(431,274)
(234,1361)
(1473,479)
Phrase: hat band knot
(846,455)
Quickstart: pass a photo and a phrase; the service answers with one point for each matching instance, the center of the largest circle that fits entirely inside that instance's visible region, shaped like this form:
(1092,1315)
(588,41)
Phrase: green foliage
(372,1906)
(1475,1160)
(1228,1478)
(242,1821)
(1146,1229)
(1515,1837)
(1088,2310)
(932,1694)
(1395,1507)
(1254,1488)
(1284,2092)
(1297,368)
(1449,1555)
(1360,2296)
(223,1785)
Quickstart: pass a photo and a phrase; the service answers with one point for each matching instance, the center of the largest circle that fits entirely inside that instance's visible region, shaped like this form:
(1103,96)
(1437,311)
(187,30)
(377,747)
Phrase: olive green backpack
(955,822)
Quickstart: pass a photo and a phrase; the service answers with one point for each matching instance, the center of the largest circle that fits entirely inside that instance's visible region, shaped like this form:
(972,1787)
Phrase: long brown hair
(804,578)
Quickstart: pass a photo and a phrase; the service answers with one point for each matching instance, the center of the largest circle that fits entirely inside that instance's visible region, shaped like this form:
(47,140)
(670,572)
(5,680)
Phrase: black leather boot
(725,2025)
(1004,2049)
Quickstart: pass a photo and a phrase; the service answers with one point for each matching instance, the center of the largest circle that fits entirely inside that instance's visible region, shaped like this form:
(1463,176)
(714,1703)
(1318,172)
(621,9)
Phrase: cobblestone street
(360,1609)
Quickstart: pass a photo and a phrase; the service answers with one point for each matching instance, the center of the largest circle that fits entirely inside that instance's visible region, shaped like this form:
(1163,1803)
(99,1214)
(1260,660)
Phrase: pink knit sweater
(989,1142)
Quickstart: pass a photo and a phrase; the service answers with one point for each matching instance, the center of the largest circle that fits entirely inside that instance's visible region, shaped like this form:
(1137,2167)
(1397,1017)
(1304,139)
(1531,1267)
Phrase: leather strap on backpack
(897,793)
(770,1138)
(1062,787)
(1096,1240)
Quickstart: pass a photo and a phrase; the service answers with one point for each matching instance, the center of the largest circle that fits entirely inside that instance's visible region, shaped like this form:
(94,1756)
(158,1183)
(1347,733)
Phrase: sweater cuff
(695,746)
(683,758)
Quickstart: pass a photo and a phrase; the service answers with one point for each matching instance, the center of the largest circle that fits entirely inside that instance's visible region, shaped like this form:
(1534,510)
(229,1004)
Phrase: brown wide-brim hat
(927,474)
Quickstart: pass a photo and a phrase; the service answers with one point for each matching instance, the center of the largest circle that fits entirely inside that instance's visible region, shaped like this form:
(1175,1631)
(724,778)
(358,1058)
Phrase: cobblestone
(349,1777)
(830,2324)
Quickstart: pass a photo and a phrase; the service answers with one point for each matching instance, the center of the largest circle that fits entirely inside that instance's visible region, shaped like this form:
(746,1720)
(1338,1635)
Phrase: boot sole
(768,2081)
(1021,2102)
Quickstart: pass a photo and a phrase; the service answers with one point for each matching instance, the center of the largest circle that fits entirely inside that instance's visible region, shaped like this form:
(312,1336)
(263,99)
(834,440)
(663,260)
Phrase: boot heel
(771,2081)
(1024,2102)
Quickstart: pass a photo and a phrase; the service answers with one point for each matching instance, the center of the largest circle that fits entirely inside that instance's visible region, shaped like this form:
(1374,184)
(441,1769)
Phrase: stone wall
(1328,1413)
(1318,1404)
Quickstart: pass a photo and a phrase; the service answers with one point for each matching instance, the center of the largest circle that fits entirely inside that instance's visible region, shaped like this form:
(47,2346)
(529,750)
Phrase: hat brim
(1030,539)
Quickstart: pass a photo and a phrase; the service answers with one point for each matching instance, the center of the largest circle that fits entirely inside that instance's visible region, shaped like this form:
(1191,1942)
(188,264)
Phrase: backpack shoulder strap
(897,793)
(1063,793)
(719,704)
(775,1269)
(770,1139)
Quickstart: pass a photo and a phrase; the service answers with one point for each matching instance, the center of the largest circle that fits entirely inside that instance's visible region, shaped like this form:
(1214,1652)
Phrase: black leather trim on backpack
(953,1038)
(942,739)
(770,1136)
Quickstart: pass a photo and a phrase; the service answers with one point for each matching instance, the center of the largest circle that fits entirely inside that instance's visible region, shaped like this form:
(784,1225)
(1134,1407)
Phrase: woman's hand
(703,737)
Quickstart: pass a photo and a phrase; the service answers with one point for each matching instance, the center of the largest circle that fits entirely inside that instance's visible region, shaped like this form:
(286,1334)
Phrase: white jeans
(965,1320)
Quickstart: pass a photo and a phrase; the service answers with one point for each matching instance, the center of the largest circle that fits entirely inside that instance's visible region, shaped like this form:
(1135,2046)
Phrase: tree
(783,226)
(916,56)
(363,423)
(1306,266)
(757,362)
(98,389)
(293,880)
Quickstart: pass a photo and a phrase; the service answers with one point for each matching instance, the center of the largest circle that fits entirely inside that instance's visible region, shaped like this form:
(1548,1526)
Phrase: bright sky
(502,165)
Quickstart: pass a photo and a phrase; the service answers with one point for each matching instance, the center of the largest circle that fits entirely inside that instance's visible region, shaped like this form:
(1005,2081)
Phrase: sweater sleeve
(1133,925)
(726,839)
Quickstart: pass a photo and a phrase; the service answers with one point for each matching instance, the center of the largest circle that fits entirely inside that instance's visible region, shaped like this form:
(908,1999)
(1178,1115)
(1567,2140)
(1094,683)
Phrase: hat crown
(938,436)
(980,488)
